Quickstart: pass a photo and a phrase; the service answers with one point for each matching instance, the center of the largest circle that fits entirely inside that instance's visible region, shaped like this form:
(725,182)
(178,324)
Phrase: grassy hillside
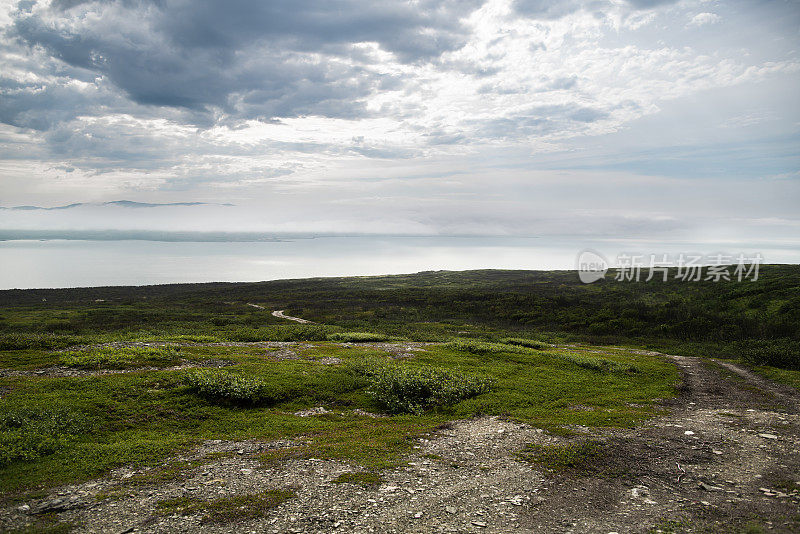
(75,405)
(757,320)
(56,429)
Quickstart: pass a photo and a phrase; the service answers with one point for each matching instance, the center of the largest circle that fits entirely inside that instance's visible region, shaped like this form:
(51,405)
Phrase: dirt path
(280,315)
(786,394)
(728,453)
(729,436)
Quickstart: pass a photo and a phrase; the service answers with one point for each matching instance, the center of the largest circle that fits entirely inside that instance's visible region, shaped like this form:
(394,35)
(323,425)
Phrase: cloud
(703,19)
(241,59)
(549,9)
(351,114)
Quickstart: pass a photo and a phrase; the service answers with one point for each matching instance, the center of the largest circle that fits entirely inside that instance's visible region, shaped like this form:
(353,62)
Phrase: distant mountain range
(118,203)
(140,235)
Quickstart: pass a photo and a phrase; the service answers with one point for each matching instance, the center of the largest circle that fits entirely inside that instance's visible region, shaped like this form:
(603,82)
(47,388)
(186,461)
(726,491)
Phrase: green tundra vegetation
(144,372)
(759,321)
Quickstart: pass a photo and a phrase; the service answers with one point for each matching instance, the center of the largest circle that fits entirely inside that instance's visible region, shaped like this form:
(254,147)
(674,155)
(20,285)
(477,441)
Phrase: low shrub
(29,433)
(30,341)
(408,390)
(529,343)
(482,347)
(357,337)
(782,353)
(122,358)
(305,332)
(367,366)
(220,385)
(601,365)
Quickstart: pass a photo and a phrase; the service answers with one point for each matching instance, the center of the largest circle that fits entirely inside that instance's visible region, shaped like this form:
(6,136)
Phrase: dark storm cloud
(238,59)
(40,106)
(414,32)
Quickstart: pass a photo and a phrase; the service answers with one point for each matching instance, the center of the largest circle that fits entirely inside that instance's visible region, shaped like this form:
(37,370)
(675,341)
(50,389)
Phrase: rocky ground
(725,458)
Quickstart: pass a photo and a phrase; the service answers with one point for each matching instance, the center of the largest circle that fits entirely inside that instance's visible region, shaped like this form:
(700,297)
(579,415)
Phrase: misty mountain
(119,203)
(139,235)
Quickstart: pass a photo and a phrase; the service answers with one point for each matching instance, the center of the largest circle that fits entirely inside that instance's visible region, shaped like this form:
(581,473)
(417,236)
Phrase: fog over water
(72,263)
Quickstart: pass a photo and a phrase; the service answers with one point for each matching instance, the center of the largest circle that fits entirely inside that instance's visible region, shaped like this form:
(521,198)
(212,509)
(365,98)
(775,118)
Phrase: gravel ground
(720,458)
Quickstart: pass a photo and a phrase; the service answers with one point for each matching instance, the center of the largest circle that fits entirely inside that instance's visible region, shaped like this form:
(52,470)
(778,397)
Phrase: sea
(54,263)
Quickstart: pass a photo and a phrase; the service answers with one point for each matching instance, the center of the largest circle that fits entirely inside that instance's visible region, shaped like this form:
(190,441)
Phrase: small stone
(709,487)
(768,436)
(480,524)
(689,433)
(450,509)
(715,451)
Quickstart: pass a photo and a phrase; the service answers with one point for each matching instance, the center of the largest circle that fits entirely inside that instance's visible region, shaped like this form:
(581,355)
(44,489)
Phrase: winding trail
(279,314)
(786,394)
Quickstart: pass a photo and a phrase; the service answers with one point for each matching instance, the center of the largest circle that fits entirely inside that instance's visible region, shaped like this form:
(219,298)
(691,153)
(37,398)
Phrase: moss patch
(226,509)
(576,457)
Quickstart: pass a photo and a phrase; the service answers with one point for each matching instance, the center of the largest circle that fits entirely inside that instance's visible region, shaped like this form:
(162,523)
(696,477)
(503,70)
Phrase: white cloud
(703,19)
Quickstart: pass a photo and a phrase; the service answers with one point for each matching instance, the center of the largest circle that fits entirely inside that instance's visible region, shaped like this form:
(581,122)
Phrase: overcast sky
(639,118)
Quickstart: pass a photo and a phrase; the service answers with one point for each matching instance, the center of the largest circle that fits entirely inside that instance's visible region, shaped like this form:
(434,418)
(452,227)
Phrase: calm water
(57,263)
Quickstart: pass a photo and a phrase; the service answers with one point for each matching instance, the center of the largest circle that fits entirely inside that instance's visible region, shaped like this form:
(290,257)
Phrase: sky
(628,119)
